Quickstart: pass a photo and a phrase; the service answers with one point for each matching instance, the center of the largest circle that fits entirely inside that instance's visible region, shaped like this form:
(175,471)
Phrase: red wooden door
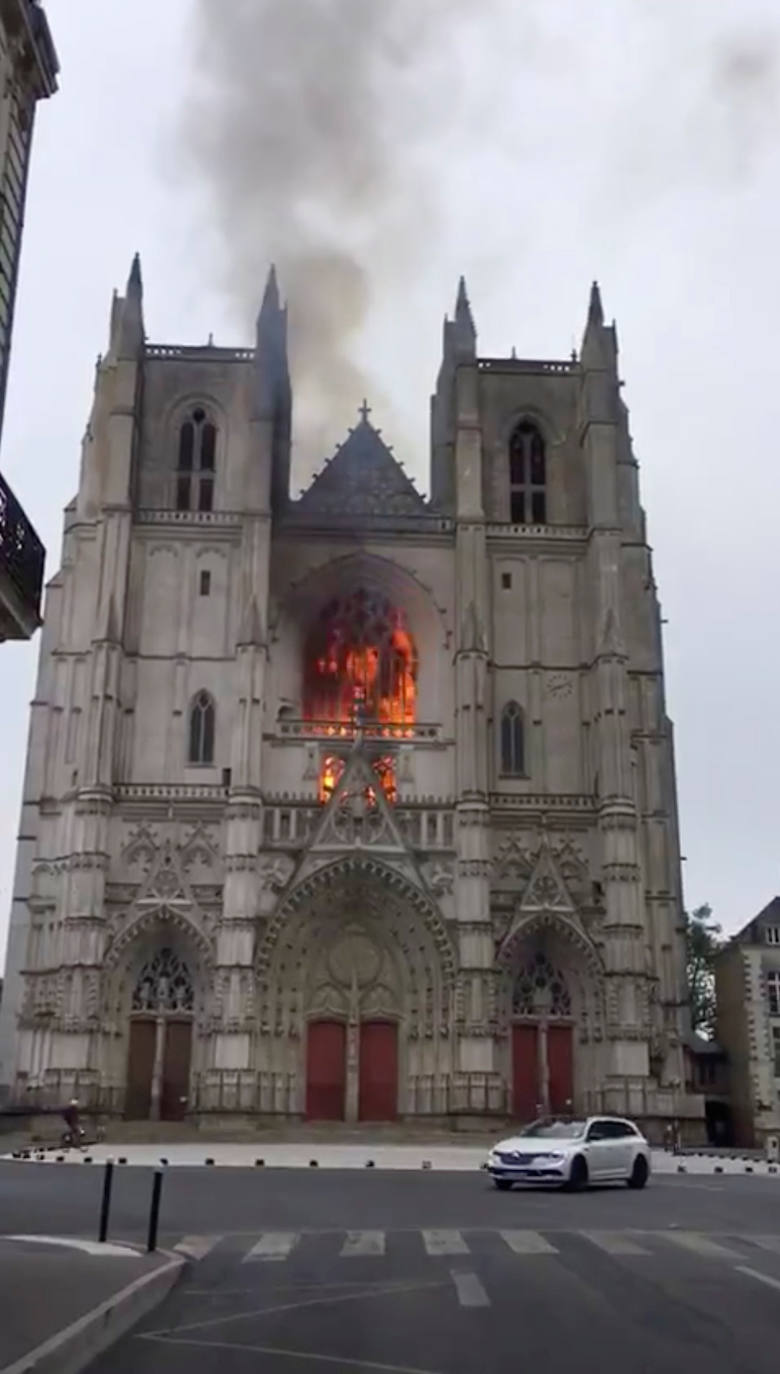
(176,1070)
(378,1084)
(525,1072)
(560,1061)
(140,1067)
(326,1046)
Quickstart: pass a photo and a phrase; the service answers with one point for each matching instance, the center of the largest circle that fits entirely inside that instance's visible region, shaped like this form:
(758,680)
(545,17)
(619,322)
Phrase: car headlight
(553,1158)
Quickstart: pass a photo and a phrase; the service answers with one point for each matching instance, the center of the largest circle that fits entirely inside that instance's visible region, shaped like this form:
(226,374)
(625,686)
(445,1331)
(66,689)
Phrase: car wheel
(639,1173)
(503,1184)
(578,1176)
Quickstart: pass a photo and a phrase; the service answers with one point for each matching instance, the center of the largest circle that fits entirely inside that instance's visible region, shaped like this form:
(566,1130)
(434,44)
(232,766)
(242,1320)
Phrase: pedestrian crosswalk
(278,1247)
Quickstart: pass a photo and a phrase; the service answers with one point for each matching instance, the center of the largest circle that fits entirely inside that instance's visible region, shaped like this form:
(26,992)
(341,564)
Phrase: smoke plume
(351,141)
(310,120)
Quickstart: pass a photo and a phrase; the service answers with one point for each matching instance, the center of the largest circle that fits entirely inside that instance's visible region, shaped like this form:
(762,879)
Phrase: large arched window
(527,476)
(164,984)
(196,464)
(512,742)
(361,663)
(202,723)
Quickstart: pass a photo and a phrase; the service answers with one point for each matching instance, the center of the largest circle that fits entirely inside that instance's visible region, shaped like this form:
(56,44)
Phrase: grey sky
(624,139)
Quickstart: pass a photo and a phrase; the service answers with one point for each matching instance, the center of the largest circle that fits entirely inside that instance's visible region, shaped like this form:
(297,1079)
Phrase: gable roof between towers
(362,478)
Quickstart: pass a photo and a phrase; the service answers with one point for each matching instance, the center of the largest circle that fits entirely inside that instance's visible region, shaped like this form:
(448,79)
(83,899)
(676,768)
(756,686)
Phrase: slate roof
(362,478)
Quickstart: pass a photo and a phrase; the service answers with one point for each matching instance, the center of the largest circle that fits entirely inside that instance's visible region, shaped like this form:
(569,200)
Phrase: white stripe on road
(469,1290)
(614,1243)
(272,1245)
(700,1245)
(755,1274)
(445,1243)
(87,1247)
(360,1243)
(528,1243)
(196,1247)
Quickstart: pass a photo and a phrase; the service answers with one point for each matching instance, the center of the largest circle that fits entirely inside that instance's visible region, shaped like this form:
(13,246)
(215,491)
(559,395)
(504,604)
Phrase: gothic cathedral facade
(359,806)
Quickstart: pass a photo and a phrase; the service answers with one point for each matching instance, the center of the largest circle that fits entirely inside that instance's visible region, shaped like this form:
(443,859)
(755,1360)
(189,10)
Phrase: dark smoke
(308,121)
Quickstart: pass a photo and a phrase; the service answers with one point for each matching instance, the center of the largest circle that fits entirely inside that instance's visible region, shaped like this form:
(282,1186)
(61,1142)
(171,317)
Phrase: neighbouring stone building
(28,73)
(747,988)
(360,805)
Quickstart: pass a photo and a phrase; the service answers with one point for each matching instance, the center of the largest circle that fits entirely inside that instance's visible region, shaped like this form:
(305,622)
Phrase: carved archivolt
(356,939)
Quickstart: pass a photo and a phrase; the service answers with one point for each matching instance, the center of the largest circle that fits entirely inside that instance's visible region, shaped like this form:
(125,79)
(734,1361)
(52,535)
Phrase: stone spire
(463,330)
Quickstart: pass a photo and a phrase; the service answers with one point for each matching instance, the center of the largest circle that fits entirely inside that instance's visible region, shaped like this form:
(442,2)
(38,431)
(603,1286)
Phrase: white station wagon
(572,1152)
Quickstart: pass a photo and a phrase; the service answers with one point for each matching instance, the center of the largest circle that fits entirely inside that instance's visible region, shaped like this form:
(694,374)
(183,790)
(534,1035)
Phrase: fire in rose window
(361,663)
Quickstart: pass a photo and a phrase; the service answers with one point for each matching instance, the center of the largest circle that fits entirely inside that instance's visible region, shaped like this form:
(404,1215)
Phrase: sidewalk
(370,1154)
(64,1302)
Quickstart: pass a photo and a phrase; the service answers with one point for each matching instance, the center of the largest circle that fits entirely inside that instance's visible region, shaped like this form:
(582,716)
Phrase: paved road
(297,1271)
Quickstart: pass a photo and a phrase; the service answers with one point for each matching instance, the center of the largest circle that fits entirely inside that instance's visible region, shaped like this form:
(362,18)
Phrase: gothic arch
(160,918)
(330,877)
(297,605)
(566,926)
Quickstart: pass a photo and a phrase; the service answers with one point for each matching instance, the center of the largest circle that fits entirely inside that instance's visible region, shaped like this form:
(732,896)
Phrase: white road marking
(528,1243)
(755,1274)
(272,1245)
(469,1290)
(360,1243)
(87,1247)
(699,1244)
(196,1247)
(614,1243)
(445,1243)
(302,1356)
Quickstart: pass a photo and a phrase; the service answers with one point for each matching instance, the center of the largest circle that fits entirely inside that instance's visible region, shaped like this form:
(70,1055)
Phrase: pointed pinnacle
(135,281)
(595,309)
(271,293)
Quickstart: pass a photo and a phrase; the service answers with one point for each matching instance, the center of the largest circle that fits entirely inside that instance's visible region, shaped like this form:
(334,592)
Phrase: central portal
(352,1071)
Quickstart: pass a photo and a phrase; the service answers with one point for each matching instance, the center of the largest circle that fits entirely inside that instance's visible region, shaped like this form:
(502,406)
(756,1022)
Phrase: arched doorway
(355,980)
(160,1040)
(542,1040)
(554,1008)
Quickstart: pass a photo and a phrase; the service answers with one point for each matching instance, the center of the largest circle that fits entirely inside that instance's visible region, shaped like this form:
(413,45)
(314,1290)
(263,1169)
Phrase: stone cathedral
(359,806)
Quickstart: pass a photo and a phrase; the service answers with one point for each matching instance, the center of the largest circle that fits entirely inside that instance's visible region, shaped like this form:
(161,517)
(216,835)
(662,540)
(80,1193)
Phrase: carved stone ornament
(275,873)
(441,879)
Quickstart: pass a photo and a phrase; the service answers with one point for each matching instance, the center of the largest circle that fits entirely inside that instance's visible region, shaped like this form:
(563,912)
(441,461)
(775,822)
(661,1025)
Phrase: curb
(76,1346)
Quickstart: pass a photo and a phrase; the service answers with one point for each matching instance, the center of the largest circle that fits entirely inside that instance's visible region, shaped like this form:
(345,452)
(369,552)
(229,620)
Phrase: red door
(560,1062)
(525,1073)
(140,1067)
(378,1087)
(325,1070)
(176,1070)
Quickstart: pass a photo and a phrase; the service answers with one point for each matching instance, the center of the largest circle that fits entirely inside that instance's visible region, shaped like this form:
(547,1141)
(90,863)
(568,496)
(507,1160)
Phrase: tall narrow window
(773,991)
(202,719)
(512,752)
(527,476)
(197,462)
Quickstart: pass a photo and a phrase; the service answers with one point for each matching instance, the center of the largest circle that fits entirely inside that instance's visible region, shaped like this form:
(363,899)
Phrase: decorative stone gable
(363,478)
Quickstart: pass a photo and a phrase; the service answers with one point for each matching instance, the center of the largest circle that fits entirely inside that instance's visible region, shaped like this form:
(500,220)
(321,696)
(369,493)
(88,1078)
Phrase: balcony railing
(21,569)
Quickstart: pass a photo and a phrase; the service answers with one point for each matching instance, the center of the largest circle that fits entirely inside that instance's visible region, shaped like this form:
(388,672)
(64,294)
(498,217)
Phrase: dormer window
(196,462)
(772,934)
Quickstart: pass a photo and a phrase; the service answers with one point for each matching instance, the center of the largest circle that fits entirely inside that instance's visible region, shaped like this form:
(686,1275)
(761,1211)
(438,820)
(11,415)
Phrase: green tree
(703,939)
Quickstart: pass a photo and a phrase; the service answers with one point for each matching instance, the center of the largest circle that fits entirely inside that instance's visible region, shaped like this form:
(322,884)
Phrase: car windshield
(554,1128)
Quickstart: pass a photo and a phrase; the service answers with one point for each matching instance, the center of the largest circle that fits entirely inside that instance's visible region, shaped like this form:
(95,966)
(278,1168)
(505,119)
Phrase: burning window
(332,768)
(361,663)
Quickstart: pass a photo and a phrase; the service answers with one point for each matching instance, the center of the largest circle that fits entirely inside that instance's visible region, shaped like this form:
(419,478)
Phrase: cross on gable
(364,411)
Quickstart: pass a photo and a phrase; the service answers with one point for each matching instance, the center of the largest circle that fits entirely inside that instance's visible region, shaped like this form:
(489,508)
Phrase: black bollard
(105,1206)
(154,1214)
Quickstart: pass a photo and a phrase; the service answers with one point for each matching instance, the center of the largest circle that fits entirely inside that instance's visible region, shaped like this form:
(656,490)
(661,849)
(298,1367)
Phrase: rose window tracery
(361,663)
(540,989)
(164,984)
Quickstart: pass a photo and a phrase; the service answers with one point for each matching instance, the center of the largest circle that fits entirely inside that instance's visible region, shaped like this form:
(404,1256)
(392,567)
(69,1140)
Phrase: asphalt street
(405,1273)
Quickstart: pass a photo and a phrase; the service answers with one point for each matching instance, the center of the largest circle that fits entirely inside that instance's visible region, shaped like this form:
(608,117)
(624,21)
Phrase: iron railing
(22,554)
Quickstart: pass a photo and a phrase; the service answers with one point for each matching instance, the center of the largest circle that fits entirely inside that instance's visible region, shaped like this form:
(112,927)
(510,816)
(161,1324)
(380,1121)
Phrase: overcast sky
(626,140)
